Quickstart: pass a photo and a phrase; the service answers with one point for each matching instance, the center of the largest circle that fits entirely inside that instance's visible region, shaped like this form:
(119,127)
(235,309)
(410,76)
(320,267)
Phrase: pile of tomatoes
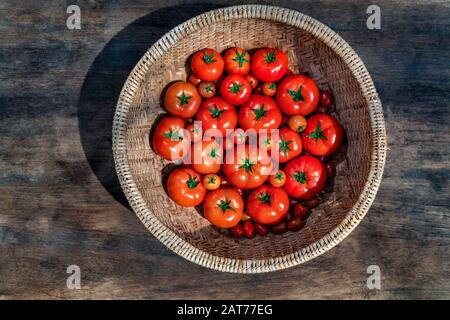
(241,91)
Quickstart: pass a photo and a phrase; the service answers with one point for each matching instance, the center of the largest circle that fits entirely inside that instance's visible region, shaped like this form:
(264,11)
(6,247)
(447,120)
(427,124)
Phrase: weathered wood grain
(61,204)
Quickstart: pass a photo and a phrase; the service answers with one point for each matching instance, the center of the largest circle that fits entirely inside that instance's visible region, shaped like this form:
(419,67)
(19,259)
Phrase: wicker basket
(312,47)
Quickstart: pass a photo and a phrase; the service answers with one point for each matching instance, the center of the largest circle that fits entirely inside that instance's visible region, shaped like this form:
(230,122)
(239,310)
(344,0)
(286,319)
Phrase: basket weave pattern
(312,48)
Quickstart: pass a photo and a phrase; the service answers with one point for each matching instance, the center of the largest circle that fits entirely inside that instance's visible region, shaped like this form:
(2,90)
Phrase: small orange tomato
(269,88)
(194,80)
(195,132)
(278,179)
(207,89)
(212,181)
(252,80)
(297,123)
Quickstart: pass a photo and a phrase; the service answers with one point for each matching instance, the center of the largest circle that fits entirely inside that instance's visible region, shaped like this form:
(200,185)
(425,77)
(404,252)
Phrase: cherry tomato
(323,135)
(278,179)
(195,131)
(330,169)
(295,224)
(249,229)
(280,227)
(261,229)
(258,90)
(235,89)
(300,210)
(311,203)
(305,177)
(207,89)
(182,100)
(259,112)
(269,64)
(185,187)
(249,169)
(194,80)
(267,204)
(245,217)
(206,157)
(237,61)
(269,88)
(207,64)
(215,113)
(289,145)
(237,231)
(320,109)
(326,98)
(297,94)
(252,80)
(168,140)
(223,207)
(212,181)
(297,123)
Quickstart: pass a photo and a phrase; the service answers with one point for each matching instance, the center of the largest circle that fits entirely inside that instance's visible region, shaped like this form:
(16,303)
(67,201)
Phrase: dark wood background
(60,202)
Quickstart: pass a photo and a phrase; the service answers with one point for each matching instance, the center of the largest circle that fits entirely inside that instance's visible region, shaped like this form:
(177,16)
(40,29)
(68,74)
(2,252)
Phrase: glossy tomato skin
(323,135)
(206,157)
(267,204)
(215,113)
(289,145)
(305,177)
(207,64)
(269,64)
(165,139)
(259,112)
(249,169)
(223,207)
(195,131)
(185,187)
(182,100)
(252,80)
(212,181)
(237,61)
(207,89)
(269,88)
(235,89)
(278,179)
(297,94)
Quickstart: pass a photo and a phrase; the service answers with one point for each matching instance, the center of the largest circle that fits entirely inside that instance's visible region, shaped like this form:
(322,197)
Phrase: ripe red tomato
(168,139)
(269,64)
(261,229)
(300,211)
(249,229)
(259,112)
(289,145)
(269,88)
(252,80)
(223,207)
(182,100)
(207,64)
(305,177)
(206,157)
(297,94)
(235,89)
(194,80)
(207,89)
(237,61)
(323,135)
(185,187)
(267,204)
(249,169)
(326,98)
(215,113)
(237,231)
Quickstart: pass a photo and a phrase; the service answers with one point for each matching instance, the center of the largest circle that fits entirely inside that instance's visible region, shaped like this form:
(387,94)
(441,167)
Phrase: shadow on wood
(104,81)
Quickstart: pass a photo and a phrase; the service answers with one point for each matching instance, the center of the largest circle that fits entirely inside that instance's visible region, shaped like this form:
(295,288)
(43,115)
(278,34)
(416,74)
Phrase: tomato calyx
(300,129)
(212,179)
(300,177)
(208,88)
(236,87)
(272,86)
(175,136)
(225,205)
(317,134)
(270,57)
(192,182)
(208,59)
(279,176)
(264,197)
(247,165)
(296,95)
(184,99)
(215,113)
(240,58)
(213,153)
(284,145)
(259,113)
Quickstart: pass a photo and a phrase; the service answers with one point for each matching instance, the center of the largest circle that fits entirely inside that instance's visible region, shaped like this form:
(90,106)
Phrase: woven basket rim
(378,156)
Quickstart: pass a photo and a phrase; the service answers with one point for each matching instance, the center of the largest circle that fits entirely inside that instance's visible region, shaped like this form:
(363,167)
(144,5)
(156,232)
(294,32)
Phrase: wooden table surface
(61,205)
